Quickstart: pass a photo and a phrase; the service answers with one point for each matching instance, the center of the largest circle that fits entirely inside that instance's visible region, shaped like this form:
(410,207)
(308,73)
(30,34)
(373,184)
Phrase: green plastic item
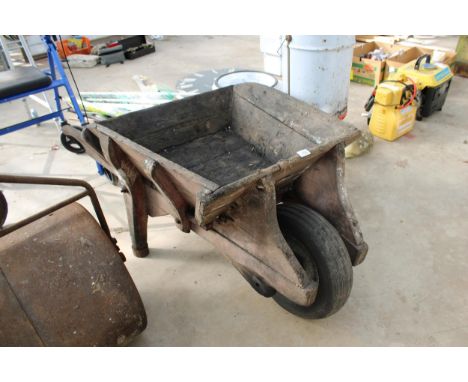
(113,104)
(462,50)
(461,61)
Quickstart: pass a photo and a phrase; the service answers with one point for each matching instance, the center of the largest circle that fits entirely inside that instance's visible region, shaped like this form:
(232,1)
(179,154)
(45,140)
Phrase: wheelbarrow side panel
(295,119)
(322,188)
(175,122)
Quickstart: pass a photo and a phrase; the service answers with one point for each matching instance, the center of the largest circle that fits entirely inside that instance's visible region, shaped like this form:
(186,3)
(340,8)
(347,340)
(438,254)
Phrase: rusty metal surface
(89,191)
(70,282)
(13,316)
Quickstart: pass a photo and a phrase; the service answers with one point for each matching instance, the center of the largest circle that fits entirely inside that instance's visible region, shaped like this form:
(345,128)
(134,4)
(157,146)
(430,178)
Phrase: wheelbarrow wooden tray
(221,161)
(220,143)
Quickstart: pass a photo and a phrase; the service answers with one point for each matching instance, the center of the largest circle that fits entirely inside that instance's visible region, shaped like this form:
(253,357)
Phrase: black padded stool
(22,79)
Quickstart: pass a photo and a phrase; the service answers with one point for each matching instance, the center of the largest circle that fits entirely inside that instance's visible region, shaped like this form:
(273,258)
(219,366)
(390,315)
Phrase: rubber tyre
(3,209)
(322,253)
(71,144)
(419,116)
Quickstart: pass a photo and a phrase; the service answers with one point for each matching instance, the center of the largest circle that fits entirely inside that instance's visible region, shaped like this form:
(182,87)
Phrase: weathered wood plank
(223,157)
(203,149)
(318,126)
(184,132)
(174,114)
(272,138)
(188,183)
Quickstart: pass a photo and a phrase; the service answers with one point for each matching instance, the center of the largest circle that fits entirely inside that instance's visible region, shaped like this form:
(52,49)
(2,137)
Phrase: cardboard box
(389,39)
(368,71)
(449,54)
(446,56)
(394,63)
(363,70)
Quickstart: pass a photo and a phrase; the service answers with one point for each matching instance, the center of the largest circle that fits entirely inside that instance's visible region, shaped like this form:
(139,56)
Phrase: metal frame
(55,69)
(61,281)
(23,45)
(4,49)
(89,191)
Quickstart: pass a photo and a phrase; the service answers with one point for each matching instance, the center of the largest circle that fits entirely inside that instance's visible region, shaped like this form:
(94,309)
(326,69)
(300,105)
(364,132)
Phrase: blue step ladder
(22,82)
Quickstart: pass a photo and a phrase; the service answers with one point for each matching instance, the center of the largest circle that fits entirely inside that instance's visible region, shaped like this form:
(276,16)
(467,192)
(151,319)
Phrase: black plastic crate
(136,46)
(433,99)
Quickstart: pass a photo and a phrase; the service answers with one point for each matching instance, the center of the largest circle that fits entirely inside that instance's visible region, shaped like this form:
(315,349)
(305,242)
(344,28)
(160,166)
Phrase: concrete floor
(410,198)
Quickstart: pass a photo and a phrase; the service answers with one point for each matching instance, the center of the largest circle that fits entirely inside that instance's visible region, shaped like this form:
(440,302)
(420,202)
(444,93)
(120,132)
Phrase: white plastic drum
(320,69)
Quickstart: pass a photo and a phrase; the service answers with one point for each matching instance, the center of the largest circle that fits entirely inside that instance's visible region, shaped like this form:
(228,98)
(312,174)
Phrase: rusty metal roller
(63,283)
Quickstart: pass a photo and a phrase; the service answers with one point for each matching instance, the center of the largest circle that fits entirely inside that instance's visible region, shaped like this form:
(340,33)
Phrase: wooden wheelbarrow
(257,173)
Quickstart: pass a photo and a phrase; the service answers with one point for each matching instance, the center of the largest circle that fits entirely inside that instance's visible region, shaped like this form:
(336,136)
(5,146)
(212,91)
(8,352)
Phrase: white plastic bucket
(320,69)
(270,46)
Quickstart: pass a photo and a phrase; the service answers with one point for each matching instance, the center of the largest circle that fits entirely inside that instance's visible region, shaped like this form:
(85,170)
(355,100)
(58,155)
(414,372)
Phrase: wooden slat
(271,137)
(318,126)
(172,115)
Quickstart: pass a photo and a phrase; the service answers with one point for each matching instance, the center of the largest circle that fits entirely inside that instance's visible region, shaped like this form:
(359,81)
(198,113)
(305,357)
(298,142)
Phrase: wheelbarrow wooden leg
(135,204)
(134,195)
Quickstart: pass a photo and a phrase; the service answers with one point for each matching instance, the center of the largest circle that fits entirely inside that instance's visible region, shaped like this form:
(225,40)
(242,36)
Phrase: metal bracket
(89,191)
(164,185)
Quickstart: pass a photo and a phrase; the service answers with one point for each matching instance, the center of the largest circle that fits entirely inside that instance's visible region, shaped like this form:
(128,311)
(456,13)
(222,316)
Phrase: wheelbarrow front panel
(188,184)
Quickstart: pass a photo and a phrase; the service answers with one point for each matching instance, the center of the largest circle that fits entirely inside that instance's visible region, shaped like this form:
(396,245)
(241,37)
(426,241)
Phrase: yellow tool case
(432,80)
(393,109)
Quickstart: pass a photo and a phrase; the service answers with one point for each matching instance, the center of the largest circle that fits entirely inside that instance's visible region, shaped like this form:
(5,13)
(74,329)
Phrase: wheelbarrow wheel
(322,253)
(3,209)
(71,144)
